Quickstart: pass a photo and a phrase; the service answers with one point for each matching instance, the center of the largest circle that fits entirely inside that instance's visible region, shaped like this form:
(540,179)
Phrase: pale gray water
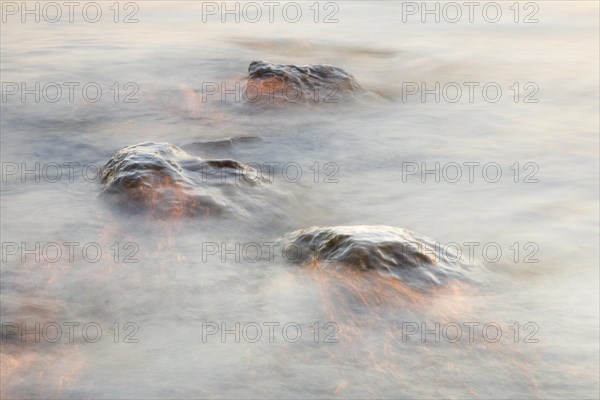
(172,291)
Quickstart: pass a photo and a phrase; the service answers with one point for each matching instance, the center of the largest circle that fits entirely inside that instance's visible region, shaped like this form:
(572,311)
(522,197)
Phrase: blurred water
(172,290)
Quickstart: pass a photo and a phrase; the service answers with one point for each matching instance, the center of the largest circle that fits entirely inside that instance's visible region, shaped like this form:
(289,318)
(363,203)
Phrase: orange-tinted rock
(304,84)
(164,180)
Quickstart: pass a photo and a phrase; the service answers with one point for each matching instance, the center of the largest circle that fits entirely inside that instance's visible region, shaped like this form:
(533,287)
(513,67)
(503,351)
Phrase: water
(175,289)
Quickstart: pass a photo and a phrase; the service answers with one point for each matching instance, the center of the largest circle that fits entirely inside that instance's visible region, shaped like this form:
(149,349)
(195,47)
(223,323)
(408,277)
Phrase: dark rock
(164,180)
(306,84)
(407,256)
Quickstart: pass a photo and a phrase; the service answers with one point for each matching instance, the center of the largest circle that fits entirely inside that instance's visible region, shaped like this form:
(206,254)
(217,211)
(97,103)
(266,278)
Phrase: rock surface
(407,256)
(164,180)
(293,84)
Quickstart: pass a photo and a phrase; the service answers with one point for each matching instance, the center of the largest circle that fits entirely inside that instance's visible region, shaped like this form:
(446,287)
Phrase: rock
(222,145)
(307,84)
(412,258)
(164,180)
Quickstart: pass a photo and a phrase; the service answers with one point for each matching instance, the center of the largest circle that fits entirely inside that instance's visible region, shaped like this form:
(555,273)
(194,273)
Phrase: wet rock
(293,84)
(164,180)
(412,258)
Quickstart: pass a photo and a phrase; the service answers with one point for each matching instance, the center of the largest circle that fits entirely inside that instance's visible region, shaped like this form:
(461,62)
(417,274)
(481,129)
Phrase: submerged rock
(166,181)
(407,256)
(222,145)
(306,84)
